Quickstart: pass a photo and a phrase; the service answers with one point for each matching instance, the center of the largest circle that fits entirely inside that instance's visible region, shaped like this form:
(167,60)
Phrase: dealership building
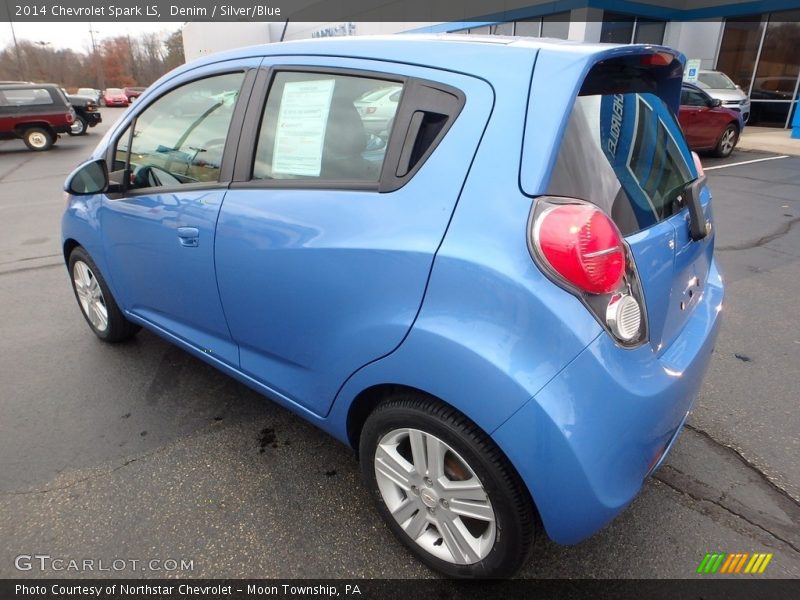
(756,43)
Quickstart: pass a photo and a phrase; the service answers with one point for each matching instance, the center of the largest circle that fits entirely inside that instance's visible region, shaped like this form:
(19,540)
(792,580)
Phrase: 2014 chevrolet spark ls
(505,301)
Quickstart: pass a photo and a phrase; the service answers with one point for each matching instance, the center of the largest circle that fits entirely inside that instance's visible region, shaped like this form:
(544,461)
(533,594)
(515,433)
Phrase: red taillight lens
(582,245)
(370,110)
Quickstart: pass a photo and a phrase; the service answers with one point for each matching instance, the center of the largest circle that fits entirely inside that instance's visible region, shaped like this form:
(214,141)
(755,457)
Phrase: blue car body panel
(586,442)
(365,257)
(313,296)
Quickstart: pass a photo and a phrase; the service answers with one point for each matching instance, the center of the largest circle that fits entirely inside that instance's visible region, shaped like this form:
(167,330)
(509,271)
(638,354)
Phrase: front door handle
(189,236)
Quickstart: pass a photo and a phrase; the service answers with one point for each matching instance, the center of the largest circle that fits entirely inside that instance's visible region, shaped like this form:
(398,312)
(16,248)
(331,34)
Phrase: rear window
(716,81)
(626,154)
(27,97)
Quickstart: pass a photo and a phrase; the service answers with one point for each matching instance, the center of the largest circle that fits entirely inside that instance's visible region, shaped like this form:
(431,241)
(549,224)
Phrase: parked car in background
(132,93)
(87,114)
(507,309)
(707,124)
(378,107)
(90,93)
(718,85)
(114,97)
(35,113)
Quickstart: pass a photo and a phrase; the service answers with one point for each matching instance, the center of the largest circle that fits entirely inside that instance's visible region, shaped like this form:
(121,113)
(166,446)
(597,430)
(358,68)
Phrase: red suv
(35,113)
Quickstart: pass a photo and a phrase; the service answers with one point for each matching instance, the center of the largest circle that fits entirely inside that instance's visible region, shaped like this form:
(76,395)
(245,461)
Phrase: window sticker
(300,133)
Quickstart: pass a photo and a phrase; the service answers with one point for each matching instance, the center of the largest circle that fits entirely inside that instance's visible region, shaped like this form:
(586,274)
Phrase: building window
(502,29)
(772,81)
(649,31)
(553,26)
(619,28)
(739,49)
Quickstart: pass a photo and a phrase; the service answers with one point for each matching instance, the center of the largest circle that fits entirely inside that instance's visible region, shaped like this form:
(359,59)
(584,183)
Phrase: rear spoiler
(562,73)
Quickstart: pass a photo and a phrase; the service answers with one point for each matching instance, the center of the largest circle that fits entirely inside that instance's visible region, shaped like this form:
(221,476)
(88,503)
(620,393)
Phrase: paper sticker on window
(300,133)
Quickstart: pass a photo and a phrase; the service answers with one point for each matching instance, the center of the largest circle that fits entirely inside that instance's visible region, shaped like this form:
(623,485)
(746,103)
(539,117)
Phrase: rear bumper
(587,441)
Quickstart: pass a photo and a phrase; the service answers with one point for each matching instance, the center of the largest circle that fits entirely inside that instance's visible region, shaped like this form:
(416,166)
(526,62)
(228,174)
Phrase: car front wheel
(38,139)
(445,489)
(78,127)
(97,304)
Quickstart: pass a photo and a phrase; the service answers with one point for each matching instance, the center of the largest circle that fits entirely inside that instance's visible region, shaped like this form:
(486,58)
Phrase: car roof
(23,85)
(476,54)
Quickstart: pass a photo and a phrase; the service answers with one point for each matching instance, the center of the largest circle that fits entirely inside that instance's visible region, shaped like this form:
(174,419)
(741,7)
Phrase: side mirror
(89,178)
(715,102)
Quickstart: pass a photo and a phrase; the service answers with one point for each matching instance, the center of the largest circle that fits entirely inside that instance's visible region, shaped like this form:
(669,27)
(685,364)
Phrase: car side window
(320,126)
(28,97)
(693,98)
(179,138)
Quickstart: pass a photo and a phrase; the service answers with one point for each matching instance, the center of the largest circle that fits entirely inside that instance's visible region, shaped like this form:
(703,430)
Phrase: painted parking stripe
(746,162)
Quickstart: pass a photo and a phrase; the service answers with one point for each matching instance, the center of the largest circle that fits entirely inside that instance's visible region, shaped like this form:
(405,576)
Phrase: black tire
(117,328)
(515,518)
(78,127)
(38,139)
(727,141)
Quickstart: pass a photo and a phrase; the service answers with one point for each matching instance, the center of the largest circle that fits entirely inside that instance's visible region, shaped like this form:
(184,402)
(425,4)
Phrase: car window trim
(243,170)
(231,140)
(408,104)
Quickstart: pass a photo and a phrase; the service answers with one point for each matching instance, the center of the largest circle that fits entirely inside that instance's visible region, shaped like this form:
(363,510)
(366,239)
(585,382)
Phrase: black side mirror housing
(715,102)
(89,178)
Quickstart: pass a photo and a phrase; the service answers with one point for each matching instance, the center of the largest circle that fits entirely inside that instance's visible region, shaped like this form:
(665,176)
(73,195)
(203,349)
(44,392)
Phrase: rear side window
(319,126)
(27,97)
(626,154)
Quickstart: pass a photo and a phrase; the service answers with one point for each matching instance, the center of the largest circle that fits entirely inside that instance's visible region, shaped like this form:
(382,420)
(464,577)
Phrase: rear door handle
(189,236)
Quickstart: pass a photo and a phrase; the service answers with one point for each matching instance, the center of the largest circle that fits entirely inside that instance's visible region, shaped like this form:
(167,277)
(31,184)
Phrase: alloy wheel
(90,296)
(728,141)
(435,496)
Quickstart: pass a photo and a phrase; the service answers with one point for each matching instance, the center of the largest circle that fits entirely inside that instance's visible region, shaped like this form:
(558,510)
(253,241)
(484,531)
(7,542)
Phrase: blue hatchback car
(504,298)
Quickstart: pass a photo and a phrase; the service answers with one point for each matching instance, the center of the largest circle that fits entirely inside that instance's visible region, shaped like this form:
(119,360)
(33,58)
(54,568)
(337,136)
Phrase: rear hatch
(623,150)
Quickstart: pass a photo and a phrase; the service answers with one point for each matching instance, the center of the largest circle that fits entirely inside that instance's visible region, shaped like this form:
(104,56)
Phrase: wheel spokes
(393,466)
(458,541)
(452,519)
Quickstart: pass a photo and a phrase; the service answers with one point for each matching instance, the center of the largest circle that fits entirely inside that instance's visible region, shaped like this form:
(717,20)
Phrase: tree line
(113,62)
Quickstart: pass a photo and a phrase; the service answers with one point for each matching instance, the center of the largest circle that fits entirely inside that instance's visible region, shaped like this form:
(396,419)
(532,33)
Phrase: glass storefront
(761,56)
(620,28)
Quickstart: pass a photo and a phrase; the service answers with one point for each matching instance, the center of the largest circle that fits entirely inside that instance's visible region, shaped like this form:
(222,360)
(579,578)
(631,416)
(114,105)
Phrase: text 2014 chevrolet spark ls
(505,301)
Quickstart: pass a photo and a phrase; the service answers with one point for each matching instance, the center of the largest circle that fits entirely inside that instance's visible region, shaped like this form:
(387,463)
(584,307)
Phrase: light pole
(97,65)
(16,49)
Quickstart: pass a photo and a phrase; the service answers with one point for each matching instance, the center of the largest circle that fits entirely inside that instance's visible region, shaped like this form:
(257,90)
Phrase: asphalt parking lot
(139,451)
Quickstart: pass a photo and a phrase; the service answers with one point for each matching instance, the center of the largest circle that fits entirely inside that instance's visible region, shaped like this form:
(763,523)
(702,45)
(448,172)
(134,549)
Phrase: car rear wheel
(445,489)
(97,304)
(78,127)
(727,141)
(38,139)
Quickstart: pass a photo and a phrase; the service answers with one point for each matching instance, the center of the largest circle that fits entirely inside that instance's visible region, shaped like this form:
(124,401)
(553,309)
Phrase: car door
(173,161)
(328,233)
(690,116)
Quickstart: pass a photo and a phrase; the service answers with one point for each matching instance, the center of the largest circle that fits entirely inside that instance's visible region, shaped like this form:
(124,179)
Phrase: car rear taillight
(582,245)
(370,110)
(581,249)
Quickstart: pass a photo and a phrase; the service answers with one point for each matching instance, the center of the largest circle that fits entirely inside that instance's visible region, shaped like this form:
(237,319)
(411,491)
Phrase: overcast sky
(76,35)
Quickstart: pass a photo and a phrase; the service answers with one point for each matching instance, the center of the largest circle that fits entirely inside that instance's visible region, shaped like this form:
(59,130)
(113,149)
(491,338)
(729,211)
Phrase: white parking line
(746,162)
